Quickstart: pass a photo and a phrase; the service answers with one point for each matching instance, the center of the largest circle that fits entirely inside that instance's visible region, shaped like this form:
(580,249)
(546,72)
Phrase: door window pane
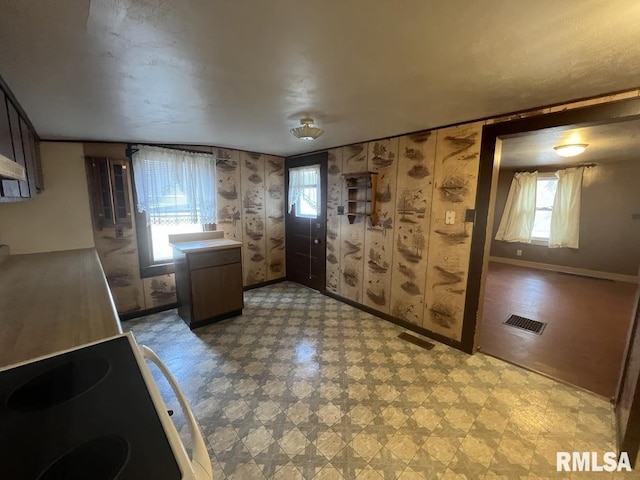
(304,191)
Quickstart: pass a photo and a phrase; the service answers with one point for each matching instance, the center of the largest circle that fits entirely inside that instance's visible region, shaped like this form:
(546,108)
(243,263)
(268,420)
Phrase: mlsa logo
(592,462)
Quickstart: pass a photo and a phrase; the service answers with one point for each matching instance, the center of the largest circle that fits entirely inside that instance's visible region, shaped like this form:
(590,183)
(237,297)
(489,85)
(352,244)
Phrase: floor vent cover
(416,341)
(525,324)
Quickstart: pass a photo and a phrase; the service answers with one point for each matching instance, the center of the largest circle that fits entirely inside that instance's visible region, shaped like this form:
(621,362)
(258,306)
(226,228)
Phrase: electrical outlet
(449,217)
(518,253)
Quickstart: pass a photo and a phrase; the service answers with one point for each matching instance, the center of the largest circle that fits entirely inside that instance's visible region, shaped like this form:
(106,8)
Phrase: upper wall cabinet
(108,188)
(18,142)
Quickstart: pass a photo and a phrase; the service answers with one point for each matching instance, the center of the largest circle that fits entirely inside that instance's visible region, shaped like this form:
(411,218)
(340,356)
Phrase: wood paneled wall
(354,159)
(251,210)
(275,195)
(378,240)
(253,218)
(229,193)
(413,222)
(334,199)
(410,265)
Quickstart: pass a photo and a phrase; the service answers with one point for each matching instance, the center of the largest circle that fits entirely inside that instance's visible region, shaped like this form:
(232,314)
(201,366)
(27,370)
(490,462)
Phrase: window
(175,193)
(304,191)
(545,195)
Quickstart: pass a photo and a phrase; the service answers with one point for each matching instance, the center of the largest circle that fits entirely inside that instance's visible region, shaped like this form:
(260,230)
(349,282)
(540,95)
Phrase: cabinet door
(216,290)
(120,192)
(10,188)
(99,180)
(18,150)
(6,144)
(33,171)
(109,191)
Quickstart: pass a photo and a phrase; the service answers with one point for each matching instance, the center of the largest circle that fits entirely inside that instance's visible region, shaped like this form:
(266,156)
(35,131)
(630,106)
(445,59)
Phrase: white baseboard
(618,277)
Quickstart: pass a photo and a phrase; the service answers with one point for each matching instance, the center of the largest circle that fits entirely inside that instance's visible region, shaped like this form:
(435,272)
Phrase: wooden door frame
(611,112)
(302,161)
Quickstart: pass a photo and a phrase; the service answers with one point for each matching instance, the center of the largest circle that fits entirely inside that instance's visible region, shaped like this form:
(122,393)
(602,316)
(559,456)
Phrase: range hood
(11,169)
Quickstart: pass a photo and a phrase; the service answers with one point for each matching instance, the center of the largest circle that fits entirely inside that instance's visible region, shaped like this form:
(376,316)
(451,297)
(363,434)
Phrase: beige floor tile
(293,442)
(442,448)
(329,444)
(361,403)
(366,446)
(258,440)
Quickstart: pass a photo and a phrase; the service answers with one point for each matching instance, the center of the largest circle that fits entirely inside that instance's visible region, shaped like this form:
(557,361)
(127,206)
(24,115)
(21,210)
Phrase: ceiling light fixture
(570,150)
(306,130)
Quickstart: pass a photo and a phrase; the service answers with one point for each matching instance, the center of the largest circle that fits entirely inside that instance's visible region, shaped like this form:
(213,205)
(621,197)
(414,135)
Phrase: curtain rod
(131,149)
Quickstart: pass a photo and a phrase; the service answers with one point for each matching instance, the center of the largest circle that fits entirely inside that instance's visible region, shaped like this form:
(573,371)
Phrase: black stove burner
(58,385)
(84,414)
(98,459)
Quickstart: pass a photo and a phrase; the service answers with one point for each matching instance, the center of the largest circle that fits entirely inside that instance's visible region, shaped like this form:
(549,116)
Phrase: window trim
(148,268)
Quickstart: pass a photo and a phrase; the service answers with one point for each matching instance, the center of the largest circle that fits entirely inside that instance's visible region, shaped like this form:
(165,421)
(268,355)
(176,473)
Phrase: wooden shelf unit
(361,195)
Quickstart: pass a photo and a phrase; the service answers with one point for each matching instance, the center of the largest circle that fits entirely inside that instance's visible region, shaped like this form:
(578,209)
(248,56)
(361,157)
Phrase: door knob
(316,241)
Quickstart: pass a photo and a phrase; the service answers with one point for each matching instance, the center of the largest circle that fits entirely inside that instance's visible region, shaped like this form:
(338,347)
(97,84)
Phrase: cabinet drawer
(214,258)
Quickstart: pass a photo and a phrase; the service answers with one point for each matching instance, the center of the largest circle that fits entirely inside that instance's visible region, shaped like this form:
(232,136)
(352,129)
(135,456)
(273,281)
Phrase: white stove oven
(94,412)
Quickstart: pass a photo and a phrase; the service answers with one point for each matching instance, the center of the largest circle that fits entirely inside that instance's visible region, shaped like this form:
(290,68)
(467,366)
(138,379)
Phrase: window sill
(541,242)
(156,270)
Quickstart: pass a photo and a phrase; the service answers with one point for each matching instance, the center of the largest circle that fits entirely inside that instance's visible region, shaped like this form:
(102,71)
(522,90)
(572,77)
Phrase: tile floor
(302,386)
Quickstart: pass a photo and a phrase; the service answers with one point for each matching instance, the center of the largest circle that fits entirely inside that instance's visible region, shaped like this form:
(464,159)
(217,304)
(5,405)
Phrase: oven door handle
(200,461)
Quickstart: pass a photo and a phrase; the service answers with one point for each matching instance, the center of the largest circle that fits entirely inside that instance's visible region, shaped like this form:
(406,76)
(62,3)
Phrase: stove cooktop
(83,414)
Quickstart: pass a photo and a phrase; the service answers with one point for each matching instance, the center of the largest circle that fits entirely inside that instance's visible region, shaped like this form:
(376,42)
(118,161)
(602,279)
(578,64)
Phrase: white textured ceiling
(611,142)
(242,73)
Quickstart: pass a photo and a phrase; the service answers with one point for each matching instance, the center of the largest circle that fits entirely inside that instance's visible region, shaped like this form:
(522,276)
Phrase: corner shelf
(361,195)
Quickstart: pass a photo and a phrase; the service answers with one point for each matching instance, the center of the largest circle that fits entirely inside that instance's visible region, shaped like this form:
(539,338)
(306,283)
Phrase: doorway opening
(585,292)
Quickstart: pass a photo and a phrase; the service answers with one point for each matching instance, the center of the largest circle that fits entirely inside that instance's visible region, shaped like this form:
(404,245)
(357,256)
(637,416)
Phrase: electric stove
(92,413)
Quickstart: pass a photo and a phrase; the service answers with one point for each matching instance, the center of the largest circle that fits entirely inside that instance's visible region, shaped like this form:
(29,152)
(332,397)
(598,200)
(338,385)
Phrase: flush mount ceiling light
(570,150)
(306,130)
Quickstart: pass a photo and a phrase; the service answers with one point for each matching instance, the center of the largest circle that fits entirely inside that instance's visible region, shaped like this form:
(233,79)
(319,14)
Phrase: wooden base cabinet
(209,285)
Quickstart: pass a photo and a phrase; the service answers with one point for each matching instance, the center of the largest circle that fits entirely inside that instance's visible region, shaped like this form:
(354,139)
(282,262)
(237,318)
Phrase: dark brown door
(628,398)
(306,233)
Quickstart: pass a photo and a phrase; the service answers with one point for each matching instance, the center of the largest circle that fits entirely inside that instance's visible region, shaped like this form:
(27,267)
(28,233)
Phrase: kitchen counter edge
(53,301)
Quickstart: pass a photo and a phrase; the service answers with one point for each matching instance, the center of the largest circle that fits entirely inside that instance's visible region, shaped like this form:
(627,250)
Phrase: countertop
(51,302)
(204,245)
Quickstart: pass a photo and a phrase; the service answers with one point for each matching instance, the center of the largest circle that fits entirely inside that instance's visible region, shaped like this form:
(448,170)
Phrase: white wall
(58,218)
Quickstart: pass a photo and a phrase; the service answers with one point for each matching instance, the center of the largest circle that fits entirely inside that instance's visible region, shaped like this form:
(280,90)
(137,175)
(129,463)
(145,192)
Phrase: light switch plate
(449,217)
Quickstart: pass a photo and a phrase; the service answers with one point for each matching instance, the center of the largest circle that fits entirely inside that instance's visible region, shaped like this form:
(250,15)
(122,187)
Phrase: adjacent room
(577,284)
(287,240)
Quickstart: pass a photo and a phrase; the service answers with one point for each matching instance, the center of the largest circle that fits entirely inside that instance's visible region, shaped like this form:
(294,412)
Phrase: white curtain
(565,216)
(175,187)
(304,187)
(519,213)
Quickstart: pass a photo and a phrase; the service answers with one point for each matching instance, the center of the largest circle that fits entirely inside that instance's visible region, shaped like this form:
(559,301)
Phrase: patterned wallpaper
(250,194)
(410,265)
(430,173)
(251,210)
